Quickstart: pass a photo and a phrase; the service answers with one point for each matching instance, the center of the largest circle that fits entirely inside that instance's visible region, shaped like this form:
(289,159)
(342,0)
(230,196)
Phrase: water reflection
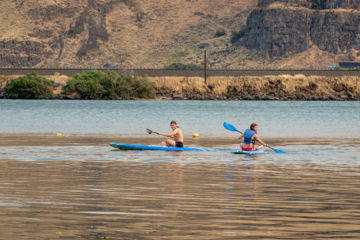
(233,199)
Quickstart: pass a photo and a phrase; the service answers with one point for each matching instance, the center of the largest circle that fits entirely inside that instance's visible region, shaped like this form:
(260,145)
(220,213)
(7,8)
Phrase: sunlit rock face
(282,27)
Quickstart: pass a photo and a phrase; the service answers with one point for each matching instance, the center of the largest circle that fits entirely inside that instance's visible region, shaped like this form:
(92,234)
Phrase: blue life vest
(248,135)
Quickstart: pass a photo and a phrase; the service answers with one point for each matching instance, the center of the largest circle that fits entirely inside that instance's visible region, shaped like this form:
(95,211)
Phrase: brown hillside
(141,34)
(127,33)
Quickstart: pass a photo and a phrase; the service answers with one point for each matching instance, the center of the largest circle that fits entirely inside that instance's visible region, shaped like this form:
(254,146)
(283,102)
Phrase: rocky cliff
(278,28)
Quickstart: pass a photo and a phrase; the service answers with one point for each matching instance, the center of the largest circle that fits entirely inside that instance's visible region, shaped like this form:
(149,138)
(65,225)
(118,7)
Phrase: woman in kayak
(250,136)
(176,133)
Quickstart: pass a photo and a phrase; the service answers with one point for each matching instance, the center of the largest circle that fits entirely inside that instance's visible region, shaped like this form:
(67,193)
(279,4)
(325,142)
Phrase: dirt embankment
(283,87)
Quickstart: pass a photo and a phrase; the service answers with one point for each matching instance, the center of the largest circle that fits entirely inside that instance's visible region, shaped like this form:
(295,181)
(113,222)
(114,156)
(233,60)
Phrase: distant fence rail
(183,73)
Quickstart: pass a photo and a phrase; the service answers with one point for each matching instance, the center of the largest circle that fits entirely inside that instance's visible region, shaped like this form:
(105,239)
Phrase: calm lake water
(80,188)
(129,118)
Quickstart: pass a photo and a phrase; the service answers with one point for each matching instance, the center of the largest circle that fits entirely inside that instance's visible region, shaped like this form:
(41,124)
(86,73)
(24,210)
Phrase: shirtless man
(176,133)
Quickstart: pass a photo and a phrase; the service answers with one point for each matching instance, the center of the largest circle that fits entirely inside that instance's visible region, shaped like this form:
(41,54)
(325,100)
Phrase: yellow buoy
(58,134)
(195,135)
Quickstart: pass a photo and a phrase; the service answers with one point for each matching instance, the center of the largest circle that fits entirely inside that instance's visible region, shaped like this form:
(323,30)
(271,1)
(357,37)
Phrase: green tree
(30,86)
(94,84)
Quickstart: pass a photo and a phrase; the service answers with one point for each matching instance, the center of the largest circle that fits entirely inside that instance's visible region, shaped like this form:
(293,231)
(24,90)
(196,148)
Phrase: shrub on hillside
(181,66)
(220,33)
(95,84)
(235,36)
(76,30)
(132,86)
(30,86)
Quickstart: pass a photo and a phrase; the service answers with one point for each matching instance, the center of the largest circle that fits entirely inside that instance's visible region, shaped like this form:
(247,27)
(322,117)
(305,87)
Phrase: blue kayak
(124,146)
(249,152)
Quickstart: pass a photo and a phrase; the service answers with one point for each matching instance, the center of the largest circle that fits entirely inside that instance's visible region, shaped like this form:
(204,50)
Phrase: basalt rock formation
(23,53)
(279,28)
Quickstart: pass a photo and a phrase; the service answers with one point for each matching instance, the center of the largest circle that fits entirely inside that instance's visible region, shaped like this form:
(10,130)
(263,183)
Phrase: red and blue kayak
(249,152)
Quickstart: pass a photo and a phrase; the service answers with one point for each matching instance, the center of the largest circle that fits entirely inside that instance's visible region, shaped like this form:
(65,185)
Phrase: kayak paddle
(150,131)
(230,127)
(276,150)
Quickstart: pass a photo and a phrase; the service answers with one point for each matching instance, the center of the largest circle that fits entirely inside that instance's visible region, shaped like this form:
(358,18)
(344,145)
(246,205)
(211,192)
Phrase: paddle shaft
(277,150)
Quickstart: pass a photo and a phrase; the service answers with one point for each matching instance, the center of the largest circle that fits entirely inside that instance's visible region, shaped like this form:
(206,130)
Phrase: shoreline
(281,87)
(50,139)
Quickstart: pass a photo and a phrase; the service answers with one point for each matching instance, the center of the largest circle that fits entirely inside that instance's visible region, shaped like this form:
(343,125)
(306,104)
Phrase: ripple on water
(311,192)
(295,154)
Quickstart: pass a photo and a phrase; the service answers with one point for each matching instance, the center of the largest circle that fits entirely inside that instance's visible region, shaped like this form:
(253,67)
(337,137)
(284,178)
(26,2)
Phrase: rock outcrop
(279,28)
(336,31)
(96,31)
(277,32)
(314,4)
(22,53)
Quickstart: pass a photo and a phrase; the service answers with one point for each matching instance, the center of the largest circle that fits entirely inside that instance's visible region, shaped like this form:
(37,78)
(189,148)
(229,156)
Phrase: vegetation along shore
(108,85)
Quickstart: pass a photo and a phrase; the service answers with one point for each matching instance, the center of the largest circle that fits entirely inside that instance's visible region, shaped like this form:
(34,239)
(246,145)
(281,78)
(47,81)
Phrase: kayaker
(250,136)
(176,133)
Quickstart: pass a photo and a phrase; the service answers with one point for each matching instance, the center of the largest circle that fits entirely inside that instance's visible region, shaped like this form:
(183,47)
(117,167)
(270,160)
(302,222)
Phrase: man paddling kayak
(250,136)
(176,133)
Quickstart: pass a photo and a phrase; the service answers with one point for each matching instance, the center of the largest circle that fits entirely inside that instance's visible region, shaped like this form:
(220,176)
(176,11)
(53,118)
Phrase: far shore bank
(281,87)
